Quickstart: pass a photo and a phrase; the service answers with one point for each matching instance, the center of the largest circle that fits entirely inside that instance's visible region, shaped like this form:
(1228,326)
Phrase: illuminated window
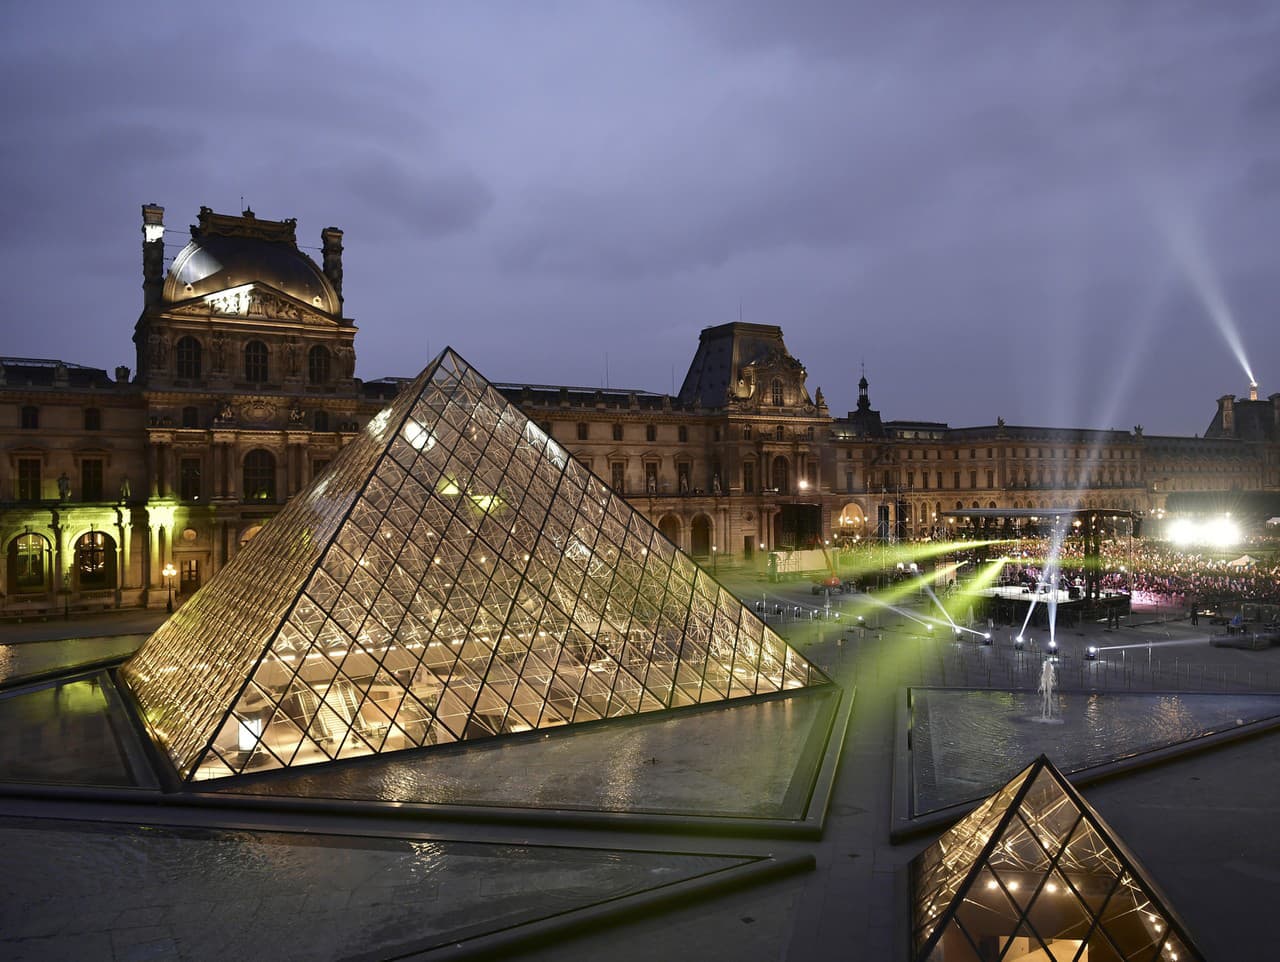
(259,476)
(92,419)
(29,558)
(318,365)
(775,391)
(187,352)
(255,362)
(93,561)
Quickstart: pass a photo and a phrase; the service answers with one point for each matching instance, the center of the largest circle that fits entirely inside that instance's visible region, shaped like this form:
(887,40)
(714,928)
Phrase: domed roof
(227,251)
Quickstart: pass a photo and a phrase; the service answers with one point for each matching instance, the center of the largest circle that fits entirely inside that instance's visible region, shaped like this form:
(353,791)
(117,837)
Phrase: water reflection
(967,742)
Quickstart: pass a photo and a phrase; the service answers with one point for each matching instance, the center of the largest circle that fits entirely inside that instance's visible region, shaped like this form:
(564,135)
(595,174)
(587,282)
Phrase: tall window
(318,365)
(748,477)
(651,477)
(91,479)
(188,576)
(189,479)
(187,352)
(651,432)
(92,561)
(28,563)
(259,476)
(92,419)
(190,416)
(777,432)
(775,391)
(321,421)
(255,362)
(582,430)
(618,477)
(617,432)
(683,433)
(30,417)
(28,479)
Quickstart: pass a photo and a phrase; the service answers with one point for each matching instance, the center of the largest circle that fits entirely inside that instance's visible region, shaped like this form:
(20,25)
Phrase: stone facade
(245,390)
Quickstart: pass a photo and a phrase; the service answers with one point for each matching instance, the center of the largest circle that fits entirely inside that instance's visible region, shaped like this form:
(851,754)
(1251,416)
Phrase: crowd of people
(1154,571)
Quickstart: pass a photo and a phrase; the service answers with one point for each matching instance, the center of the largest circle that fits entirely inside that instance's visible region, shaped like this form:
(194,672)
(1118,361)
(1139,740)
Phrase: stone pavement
(1201,825)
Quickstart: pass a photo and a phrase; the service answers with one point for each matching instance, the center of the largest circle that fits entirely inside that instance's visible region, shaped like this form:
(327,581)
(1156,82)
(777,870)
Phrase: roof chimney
(332,240)
(1227,411)
(152,253)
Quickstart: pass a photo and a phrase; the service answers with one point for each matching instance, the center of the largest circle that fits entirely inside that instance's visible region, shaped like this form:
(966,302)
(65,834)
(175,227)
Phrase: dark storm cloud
(426,204)
(976,199)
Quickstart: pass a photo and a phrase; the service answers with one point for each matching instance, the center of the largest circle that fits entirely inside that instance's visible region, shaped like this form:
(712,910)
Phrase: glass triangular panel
(1066,890)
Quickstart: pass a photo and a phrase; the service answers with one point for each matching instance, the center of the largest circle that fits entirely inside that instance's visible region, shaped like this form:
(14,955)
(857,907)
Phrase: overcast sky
(1037,211)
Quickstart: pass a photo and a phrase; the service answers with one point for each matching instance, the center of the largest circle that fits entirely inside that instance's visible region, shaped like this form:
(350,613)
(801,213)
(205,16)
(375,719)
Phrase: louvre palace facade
(120,488)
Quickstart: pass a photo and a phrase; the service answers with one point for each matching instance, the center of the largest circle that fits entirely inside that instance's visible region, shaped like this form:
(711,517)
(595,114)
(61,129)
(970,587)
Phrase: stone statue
(125,491)
(295,415)
(64,487)
(219,350)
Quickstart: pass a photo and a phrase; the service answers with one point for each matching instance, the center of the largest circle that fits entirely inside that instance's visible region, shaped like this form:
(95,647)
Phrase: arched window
(92,419)
(29,559)
(190,416)
(255,362)
(95,561)
(322,421)
(259,476)
(775,390)
(188,355)
(318,365)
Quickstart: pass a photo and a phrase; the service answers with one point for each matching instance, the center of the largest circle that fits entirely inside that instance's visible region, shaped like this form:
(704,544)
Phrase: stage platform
(1008,604)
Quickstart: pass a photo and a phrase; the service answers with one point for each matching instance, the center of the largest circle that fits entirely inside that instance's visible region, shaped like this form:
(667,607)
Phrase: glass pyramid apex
(455,574)
(1034,873)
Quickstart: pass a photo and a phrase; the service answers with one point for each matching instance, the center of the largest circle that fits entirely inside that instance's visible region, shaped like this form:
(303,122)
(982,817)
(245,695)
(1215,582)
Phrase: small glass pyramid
(455,574)
(1034,875)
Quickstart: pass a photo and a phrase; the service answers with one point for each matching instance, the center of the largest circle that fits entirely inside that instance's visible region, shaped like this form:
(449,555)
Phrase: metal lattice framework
(455,574)
(1034,873)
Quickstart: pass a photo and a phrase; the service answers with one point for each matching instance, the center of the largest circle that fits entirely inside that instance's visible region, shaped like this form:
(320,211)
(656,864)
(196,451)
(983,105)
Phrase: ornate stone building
(245,389)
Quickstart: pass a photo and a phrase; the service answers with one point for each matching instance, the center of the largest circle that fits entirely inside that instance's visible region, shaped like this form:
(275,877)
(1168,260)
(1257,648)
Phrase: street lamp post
(168,572)
(714,556)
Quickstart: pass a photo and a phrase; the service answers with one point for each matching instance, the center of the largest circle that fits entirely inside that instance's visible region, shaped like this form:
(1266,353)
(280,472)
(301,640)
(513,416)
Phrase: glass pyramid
(455,574)
(1034,875)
